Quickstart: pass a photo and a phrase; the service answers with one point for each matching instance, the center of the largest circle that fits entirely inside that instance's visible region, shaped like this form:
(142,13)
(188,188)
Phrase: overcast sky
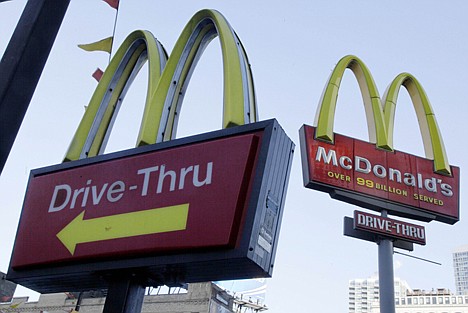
(292,46)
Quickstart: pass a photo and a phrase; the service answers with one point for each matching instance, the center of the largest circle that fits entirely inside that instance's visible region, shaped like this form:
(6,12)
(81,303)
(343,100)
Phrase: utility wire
(415,257)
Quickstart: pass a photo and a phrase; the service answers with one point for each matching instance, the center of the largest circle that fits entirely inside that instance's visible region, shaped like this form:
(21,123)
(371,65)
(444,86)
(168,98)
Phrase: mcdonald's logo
(167,82)
(373,174)
(187,206)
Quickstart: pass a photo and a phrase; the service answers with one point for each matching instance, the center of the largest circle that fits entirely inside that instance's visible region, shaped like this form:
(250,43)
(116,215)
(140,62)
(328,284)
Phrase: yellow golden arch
(167,81)
(381,114)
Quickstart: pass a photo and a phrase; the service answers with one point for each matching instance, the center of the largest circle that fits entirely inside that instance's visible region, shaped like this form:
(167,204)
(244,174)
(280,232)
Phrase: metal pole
(386,279)
(22,64)
(125,295)
(78,302)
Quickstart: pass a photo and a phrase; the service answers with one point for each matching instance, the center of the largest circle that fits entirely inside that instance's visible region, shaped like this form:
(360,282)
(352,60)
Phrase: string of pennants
(103,44)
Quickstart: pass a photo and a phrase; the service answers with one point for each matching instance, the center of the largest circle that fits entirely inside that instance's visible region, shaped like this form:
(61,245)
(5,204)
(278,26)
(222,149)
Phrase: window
(428,300)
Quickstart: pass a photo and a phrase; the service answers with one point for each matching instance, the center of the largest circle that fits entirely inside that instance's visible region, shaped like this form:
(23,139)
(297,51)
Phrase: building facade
(460,268)
(435,301)
(364,293)
(197,298)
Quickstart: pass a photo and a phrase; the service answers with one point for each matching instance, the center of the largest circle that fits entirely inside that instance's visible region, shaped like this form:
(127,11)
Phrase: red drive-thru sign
(162,201)
(389,227)
(376,179)
(171,211)
(190,206)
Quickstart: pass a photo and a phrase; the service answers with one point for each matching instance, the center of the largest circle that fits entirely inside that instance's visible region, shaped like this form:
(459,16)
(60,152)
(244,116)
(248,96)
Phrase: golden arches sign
(101,206)
(373,174)
(167,81)
(380,114)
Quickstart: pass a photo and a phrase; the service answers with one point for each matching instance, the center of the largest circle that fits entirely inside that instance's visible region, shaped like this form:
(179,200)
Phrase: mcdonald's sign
(205,207)
(373,174)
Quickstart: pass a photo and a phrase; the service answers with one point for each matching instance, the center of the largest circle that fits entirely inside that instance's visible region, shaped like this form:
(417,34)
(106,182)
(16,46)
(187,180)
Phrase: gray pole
(22,65)
(125,294)
(386,280)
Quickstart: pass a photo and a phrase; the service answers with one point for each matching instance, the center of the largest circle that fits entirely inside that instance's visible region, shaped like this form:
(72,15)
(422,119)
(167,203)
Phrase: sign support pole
(125,295)
(22,64)
(386,278)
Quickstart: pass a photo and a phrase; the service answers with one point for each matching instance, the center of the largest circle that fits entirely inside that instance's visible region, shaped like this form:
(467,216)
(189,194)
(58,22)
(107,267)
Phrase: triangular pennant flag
(113,3)
(101,45)
(98,74)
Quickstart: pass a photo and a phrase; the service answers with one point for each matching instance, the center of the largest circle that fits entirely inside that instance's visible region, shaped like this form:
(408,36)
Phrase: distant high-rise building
(363,293)
(460,267)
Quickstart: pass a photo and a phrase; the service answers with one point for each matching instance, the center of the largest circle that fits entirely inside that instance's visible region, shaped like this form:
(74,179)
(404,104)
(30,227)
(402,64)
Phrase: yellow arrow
(153,221)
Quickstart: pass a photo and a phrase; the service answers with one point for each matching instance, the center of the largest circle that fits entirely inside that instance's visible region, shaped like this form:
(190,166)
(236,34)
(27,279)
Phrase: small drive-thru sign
(389,227)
